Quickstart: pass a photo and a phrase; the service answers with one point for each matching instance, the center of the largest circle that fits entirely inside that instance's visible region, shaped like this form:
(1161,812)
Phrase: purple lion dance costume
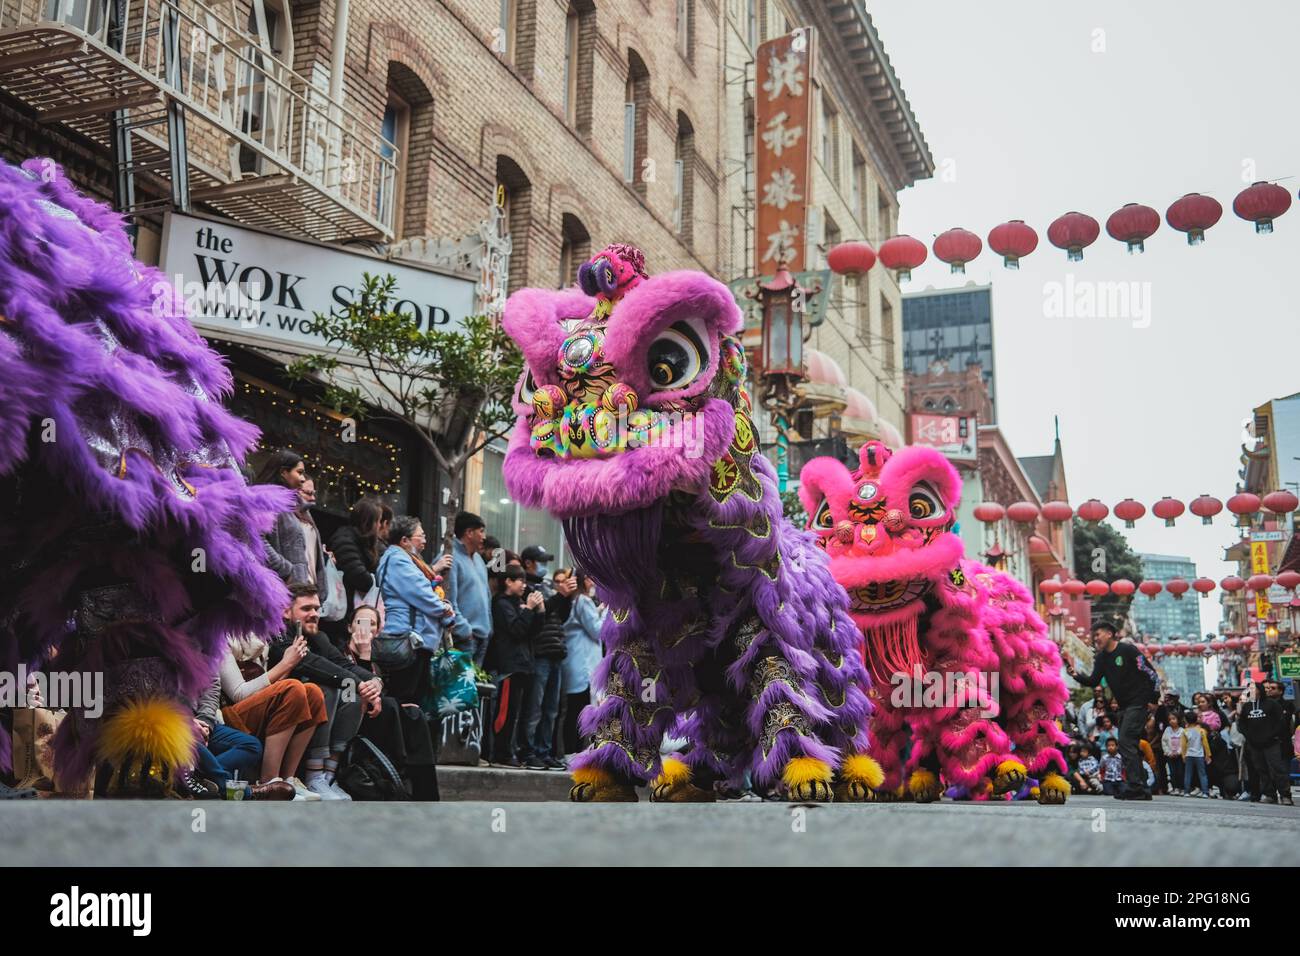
(726,627)
(926,612)
(130,541)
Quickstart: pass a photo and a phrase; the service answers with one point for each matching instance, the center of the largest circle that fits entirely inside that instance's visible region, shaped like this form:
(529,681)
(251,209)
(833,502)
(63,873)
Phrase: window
(686,29)
(397,124)
(518,218)
(579,46)
(259,100)
(831,237)
(684,179)
(751,22)
(636,115)
(408,142)
(884,216)
(886,334)
(830,140)
(858,190)
(575,248)
(505,35)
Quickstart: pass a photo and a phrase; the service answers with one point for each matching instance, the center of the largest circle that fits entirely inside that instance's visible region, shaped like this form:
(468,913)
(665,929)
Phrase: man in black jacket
(1135,686)
(1261,720)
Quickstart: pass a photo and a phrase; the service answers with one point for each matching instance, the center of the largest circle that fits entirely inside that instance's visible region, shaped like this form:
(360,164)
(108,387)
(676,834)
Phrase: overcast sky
(1026,121)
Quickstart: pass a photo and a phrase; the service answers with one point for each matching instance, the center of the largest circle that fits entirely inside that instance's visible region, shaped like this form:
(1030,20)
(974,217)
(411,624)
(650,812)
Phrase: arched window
(684,179)
(686,29)
(519,218)
(408,140)
(636,117)
(579,46)
(575,248)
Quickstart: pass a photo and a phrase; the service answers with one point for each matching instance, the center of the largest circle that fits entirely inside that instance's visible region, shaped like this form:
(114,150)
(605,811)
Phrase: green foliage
(452,386)
(1100,551)
(793,508)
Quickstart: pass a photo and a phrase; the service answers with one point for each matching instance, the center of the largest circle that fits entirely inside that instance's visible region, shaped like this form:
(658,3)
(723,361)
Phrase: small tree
(453,388)
(1102,552)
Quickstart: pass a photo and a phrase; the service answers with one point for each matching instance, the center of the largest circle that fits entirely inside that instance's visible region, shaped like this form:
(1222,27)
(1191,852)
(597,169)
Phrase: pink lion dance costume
(726,625)
(926,612)
(129,541)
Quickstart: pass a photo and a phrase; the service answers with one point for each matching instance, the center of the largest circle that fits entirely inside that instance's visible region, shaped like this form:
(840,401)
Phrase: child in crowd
(1112,768)
(1171,742)
(1196,756)
(1087,778)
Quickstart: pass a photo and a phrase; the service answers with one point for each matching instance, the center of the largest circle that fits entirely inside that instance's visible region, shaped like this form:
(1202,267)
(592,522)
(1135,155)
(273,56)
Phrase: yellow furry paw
(593,785)
(673,785)
(807,778)
(923,785)
(1053,790)
(858,776)
(1010,776)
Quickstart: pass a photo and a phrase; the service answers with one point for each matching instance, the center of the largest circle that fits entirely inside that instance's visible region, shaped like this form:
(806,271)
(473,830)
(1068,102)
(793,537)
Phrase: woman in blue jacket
(582,654)
(406,585)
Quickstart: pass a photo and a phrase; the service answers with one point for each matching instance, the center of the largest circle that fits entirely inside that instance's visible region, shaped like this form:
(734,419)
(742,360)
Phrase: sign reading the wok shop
(264,289)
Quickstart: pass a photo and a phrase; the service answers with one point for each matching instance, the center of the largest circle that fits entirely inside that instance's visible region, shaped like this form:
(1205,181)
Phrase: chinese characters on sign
(783,120)
(1259,565)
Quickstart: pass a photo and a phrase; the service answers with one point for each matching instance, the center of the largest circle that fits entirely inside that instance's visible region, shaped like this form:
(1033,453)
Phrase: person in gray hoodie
(466,587)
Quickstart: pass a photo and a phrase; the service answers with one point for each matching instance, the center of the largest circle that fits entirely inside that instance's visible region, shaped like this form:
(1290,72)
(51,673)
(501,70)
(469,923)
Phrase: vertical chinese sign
(1259,565)
(783,127)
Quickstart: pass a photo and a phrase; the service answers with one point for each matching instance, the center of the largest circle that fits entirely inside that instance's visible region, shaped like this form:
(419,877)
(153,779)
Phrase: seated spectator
(1105,731)
(350,691)
(278,710)
(1088,778)
(226,754)
(1112,768)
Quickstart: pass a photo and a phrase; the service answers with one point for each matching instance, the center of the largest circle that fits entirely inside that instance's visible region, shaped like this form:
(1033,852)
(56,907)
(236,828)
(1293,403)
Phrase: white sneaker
(339,792)
(321,787)
(302,790)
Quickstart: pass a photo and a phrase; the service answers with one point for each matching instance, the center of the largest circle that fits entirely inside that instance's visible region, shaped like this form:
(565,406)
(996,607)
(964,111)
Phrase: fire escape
(197,111)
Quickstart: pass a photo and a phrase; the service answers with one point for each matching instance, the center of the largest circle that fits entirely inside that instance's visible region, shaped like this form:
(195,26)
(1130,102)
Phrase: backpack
(366,773)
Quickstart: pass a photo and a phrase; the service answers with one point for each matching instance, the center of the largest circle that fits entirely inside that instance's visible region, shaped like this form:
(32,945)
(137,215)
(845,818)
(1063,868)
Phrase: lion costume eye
(677,357)
(924,503)
(823,520)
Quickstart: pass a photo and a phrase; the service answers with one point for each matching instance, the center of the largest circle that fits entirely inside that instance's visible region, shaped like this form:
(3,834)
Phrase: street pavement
(1088,831)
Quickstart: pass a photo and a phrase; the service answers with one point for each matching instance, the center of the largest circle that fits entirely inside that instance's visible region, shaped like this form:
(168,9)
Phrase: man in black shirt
(1134,685)
(1261,720)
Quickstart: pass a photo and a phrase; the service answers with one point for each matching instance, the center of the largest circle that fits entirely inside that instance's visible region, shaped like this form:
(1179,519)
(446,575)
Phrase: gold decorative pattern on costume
(783,716)
(610,732)
(748,631)
(733,471)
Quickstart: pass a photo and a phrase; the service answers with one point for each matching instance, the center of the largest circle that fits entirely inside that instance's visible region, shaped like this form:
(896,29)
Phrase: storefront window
(515,527)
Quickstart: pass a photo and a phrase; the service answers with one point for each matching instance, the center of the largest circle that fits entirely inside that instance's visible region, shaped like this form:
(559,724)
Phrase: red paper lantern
(1050,586)
(1280,502)
(1203,586)
(1023,512)
(1193,214)
(1132,224)
(1122,587)
(1130,511)
(1261,203)
(1259,582)
(1167,508)
(1243,505)
(1057,512)
(1197,648)
(1289,580)
(1177,587)
(1150,588)
(989,512)
(1012,241)
(957,247)
(902,254)
(1232,583)
(1092,510)
(851,258)
(1097,587)
(1205,508)
(1073,232)
(1074,587)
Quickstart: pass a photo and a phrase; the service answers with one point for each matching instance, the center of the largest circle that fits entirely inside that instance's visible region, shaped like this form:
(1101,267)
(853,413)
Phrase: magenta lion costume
(961,660)
(129,542)
(726,626)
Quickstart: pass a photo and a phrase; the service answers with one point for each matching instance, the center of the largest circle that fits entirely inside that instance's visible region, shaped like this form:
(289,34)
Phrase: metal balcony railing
(263,145)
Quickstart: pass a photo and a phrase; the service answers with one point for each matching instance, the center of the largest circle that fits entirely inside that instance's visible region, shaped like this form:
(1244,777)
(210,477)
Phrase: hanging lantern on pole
(1092,511)
(902,254)
(1050,587)
(1013,241)
(1150,588)
(1280,502)
(1177,587)
(1203,586)
(1205,508)
(957,247)
(1130,510)
(1097,588)
(851,259)
(989,512)
(1057,512)
(1289,580)
(1261,203)
(1243,505)
(1132,224)
(1232,584)
(1073,232)
(1023,512)
(1193,214)
(1259,583)
(1122,587)
(1167,508)
(1074,588)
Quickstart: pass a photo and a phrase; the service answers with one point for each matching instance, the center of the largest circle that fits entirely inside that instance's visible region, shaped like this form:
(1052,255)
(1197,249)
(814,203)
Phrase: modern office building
(1166,618)
(954,326)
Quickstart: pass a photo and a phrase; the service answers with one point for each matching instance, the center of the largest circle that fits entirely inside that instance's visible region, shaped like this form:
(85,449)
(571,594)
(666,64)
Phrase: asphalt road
(1091,831)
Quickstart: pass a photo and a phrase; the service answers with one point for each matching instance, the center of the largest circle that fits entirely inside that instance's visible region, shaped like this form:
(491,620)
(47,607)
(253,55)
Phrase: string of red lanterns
(1290,580)
(1260,203)
(1205,507)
